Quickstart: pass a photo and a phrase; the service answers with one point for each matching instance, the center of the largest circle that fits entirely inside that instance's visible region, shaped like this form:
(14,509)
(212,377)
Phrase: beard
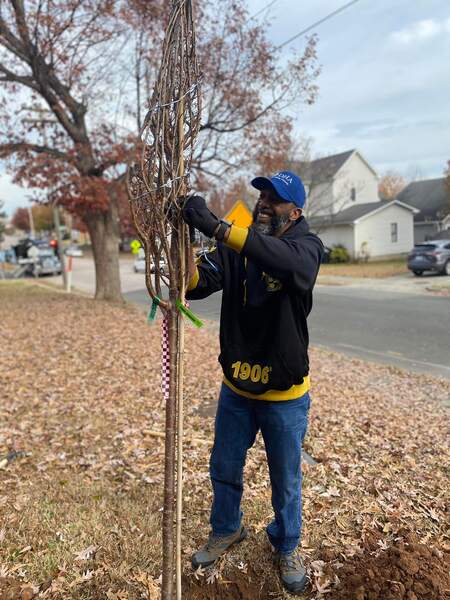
(271,227)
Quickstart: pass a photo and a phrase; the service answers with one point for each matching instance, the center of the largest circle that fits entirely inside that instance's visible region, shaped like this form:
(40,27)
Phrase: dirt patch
(406,570)
(235,586)
(10,589)
(439,291)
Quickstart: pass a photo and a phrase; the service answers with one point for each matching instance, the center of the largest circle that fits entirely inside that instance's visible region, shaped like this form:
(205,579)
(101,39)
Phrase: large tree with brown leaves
(390,185)
(76,76)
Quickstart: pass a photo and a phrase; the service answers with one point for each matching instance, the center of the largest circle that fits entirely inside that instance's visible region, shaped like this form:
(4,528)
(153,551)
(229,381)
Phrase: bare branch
(14,148)
(11,42)
(261,113)
(11,77)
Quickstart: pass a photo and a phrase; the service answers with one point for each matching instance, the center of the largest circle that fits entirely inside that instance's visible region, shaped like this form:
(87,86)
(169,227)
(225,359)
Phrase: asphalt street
(409,331)
(394,321)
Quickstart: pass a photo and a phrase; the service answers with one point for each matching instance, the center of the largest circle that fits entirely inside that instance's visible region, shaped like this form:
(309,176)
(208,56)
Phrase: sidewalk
(405,283)
(83,279)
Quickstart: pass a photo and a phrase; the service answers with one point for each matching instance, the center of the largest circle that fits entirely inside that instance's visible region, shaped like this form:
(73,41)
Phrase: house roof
(322,169)
(351,215)
(430,196)
(328,166)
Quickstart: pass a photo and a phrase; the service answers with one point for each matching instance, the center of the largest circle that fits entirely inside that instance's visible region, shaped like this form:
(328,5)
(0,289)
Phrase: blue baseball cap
(287,185)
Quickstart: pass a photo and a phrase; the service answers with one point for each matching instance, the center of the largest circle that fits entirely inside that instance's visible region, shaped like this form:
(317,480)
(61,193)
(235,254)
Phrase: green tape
(152,313)
(189,314)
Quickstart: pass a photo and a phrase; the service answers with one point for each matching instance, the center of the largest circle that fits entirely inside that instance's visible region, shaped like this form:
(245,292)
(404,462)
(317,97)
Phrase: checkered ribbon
(165,357)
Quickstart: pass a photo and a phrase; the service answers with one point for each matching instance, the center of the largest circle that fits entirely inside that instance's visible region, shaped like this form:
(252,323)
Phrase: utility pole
(31,220)
(55,208)
(62,259)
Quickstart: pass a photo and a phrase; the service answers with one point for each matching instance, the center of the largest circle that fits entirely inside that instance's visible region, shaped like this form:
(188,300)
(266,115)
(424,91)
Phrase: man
(267,273)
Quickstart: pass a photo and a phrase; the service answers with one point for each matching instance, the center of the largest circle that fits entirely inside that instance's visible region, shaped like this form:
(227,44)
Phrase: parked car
(139,265)
(37,257)
(162,266)
(44,262)
(75,251)
(430,256)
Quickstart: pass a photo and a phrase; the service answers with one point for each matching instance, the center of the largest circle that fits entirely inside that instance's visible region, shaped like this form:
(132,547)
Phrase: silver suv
(430,256)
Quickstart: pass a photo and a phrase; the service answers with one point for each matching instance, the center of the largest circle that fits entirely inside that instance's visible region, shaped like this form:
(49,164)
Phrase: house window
(394,233)
(353,194)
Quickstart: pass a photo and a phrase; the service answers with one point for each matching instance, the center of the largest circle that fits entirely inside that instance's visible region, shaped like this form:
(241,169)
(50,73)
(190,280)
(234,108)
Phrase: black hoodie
(267,285)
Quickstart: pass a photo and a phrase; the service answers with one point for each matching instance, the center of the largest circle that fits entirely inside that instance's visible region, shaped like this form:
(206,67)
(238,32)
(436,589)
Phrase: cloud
(12,195)
(420,31)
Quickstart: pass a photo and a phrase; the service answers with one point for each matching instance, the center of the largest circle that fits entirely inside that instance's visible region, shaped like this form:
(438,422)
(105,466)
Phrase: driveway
(83,275)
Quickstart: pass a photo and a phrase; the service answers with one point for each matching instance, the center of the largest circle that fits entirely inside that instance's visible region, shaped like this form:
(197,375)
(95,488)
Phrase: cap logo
(284,177)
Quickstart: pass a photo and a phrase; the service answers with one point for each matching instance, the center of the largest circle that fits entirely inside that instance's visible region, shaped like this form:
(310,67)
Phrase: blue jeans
(283,426)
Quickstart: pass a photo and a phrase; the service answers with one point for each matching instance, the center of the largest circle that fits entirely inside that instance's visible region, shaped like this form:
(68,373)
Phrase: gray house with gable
(431,197)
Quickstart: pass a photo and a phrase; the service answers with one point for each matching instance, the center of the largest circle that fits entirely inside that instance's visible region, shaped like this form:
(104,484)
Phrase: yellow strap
(193,281)
(296,391)
(237,238)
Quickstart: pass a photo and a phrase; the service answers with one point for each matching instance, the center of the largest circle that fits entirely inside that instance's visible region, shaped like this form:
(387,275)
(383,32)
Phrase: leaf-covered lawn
(81,453)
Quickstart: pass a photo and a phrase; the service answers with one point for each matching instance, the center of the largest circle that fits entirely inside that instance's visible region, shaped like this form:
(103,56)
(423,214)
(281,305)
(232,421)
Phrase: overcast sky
(385,82)
(384,86)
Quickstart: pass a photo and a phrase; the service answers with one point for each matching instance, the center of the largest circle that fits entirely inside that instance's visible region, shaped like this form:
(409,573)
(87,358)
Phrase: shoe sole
(196,565)
(296,589)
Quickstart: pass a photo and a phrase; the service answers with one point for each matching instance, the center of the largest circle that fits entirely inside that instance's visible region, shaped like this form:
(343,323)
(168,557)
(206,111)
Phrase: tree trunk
(104,232)
(169,461)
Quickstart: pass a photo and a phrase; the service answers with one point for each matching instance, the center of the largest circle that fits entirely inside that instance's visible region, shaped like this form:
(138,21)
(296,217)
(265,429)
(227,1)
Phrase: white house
(337,182)
(344,208)
(373,230)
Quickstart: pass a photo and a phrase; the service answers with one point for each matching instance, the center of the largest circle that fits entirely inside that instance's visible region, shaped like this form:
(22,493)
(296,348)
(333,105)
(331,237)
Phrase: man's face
(273,216)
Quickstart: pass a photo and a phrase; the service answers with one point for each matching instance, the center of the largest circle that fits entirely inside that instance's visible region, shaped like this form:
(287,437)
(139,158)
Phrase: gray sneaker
(292,571)
(215,547)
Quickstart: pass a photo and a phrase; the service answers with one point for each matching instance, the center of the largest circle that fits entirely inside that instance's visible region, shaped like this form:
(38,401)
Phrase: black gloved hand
(196,214)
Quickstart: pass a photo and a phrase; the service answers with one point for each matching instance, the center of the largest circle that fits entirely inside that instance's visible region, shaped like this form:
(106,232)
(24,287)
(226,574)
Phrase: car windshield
(425,247)
(46,252)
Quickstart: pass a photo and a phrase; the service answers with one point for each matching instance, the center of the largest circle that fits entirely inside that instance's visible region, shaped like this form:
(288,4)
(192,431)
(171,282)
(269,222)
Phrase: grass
(376,269)
(12,287)
(442,290)
(7,267)
(81,400)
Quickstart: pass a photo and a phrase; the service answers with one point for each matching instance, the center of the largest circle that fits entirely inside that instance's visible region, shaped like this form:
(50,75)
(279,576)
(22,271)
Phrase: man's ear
(295,214)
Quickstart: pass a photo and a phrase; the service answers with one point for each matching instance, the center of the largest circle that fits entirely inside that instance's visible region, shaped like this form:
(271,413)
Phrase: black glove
(196,214)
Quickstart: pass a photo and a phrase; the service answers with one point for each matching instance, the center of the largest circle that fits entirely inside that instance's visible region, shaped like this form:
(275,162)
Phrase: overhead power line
(319,22)
(263,9)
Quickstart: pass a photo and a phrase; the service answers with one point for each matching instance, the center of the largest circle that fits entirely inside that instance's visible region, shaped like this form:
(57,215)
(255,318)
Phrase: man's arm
(205,275)
(294,261)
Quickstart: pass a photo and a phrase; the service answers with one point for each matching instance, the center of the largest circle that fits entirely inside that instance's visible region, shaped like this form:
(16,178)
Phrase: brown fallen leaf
(87,553)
